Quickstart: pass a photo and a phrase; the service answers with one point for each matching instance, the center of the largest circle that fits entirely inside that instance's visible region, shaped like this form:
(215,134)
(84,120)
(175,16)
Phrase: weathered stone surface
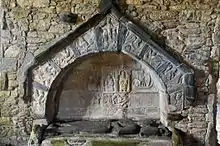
(3,81)
(4,94)
(65,57)
(149,131)
(104,95)
(199,110)
(68,17)
(188,27)
(99,127)
(41,3)
(127,127)
(201,124)
(8,64)
(216,34)
(13,51)
(46,73)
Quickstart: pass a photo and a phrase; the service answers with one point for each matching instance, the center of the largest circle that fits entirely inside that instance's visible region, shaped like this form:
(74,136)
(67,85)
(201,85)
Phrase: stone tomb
(107,69)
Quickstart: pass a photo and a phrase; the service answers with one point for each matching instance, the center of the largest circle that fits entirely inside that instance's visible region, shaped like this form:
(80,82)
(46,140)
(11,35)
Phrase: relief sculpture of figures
(124,82)
(109,84)
(141,80)
(147,82)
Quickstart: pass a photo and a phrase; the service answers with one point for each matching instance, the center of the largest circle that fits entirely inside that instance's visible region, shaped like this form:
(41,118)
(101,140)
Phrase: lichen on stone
(115,143)
(58,142)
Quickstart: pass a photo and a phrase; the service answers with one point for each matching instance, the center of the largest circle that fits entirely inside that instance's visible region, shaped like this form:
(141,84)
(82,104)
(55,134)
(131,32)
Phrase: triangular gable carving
(112,33)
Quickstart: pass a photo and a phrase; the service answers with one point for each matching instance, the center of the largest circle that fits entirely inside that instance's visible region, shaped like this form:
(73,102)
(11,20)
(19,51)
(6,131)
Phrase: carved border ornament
(110,31)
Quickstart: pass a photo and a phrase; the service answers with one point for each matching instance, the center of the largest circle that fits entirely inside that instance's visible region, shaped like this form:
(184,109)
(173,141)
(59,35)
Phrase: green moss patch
(5,121)
(58,143)
(115,143)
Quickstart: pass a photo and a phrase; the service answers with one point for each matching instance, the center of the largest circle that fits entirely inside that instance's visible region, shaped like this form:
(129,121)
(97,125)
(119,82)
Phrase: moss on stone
(4,94)
(58,143)
(114,143)
(5,121)
(176,138)
(20,12)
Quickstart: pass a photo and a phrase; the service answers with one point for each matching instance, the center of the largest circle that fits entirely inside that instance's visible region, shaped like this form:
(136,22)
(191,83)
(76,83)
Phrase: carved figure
(93,82)
(124,82)
(109,84)
(147,82)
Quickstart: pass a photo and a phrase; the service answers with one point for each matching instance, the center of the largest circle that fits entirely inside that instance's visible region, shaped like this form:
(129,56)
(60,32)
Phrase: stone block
(3,81)
(4,94)
(8,64)
(12,84)
(24,3)
(12,75)
(198,132)
(198,110)
(6,131)
(41,3)
(5,121)
(197,119)
(198,125)
(19,13)
(13,51)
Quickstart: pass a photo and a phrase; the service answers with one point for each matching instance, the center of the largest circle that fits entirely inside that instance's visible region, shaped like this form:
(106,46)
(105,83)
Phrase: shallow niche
(109,86)
(112,94)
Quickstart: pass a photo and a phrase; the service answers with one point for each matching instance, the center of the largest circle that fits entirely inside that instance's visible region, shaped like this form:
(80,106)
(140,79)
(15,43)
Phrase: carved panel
(133,44)
(109,83)
(144,105)
(65,57)
(124,81)
(46,73)
(153,58)
(113,105)
(39,102)
(86,43)
(82,97)
(141,81)
(177,99)
(76,141)
(94,81)
(107,34)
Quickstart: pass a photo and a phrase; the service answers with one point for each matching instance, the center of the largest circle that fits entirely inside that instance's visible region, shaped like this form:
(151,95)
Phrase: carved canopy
(111,32)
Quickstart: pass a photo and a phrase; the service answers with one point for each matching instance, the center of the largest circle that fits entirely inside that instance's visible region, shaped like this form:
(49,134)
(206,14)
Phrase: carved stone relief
(116,34)
(141,81)
(65,57)
(124,82)
(109,80)
(107,34)
(46,73)
(86,43)
(124,91)
(117,98)
(39,102)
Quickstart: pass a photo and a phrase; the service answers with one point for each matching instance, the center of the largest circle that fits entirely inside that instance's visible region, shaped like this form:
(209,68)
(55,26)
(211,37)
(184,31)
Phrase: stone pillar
(218,110)
(216,56)
(38,129)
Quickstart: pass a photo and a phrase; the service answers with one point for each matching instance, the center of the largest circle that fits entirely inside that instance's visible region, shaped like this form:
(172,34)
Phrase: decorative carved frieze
(46,73)
(65,57)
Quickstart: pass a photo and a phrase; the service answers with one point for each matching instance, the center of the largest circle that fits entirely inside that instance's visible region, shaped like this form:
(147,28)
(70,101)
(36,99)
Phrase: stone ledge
(90,141)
